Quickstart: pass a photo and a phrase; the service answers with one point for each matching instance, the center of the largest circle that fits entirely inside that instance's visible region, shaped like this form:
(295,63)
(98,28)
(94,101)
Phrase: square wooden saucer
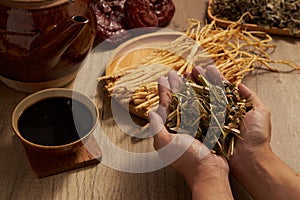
(47,164)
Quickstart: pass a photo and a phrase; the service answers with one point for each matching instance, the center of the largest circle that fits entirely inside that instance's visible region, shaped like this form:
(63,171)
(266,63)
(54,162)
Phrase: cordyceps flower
(235,53)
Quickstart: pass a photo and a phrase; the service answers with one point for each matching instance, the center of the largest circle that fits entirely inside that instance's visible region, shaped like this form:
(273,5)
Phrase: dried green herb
(208,112)
(266,13)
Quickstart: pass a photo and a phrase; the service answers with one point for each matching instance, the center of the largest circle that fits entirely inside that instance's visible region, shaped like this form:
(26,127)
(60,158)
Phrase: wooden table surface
(279,91)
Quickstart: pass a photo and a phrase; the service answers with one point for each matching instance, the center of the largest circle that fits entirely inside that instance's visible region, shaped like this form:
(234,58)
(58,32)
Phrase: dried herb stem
(235,52)
(265,13)
(217,119)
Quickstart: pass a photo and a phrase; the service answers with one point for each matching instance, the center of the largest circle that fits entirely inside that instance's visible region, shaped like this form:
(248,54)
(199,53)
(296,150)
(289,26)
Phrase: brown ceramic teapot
(44,42)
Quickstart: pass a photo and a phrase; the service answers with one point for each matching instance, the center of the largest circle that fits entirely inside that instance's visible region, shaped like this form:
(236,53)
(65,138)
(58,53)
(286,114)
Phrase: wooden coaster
(47,164)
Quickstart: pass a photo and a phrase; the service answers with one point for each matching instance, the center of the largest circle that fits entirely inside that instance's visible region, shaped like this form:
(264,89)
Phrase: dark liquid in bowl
(55,121)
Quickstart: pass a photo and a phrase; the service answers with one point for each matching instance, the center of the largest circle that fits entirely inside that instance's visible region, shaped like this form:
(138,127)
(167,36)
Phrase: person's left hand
(197,164)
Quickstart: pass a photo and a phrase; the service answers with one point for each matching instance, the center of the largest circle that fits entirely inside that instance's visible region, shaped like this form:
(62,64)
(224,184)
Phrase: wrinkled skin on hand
(255,129)
(256,125)
(197,161)
(197,164)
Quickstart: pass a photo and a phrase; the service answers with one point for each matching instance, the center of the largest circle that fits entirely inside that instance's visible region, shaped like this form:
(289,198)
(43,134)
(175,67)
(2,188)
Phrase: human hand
(197,164)
(256,126)
(255,131)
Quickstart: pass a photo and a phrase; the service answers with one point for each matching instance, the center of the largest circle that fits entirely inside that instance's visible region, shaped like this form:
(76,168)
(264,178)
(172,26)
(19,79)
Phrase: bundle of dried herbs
(210,113)
(235,53)
(266,13)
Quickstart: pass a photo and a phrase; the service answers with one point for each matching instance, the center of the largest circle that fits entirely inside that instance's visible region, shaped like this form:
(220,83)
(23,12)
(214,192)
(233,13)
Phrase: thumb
(249,95)
(161,136)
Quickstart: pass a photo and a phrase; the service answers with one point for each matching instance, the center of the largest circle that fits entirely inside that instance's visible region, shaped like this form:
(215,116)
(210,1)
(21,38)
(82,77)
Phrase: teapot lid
(32,4)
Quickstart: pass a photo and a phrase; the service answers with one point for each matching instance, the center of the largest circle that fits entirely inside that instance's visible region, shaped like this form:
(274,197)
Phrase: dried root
(235,52)
(210,113)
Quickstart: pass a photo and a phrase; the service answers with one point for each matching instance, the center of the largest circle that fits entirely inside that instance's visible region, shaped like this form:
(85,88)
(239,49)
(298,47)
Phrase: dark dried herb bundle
(266,13)
(210,113)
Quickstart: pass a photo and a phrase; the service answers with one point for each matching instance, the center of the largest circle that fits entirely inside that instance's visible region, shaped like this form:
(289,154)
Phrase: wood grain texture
(46,164)
(279,91)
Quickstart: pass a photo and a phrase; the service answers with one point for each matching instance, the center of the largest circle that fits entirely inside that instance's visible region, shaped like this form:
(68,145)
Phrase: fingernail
(200,70)
(174,81)
(155,123)
(244,91)
(150,116)
(161,110)
(209,66)
(163,82)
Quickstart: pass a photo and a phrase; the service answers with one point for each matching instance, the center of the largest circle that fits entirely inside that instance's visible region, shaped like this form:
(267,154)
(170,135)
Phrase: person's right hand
(255,131)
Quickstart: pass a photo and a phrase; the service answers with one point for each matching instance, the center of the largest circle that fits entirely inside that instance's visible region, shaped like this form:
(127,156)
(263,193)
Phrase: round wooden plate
(134,50)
